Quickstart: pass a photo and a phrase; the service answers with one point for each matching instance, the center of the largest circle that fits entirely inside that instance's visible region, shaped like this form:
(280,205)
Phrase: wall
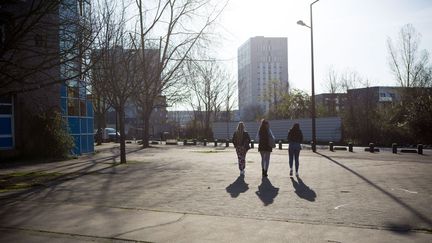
(327,129)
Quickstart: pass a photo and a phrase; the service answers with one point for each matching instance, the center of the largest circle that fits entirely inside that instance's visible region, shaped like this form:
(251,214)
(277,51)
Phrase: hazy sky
(347,34)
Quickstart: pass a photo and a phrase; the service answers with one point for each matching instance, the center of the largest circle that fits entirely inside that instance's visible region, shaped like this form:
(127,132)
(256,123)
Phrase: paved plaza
(195,194)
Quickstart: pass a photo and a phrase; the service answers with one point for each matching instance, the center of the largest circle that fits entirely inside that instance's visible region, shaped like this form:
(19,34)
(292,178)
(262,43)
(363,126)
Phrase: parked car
(108,135)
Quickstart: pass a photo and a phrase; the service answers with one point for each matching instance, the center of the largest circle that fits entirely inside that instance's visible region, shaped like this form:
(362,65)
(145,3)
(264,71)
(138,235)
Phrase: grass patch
(23,180)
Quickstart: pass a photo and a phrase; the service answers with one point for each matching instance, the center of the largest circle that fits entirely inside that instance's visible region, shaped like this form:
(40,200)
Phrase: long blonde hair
(239,132)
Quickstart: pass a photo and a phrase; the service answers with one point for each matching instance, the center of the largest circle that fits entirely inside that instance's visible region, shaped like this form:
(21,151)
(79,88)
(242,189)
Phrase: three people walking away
(295,137)
(241,142)
(266,145)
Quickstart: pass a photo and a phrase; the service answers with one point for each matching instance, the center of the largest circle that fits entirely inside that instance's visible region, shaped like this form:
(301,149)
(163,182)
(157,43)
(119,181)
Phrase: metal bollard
(252,143)
(184,142)
(371,147)
(280,144)
(394,148)
(205,142)
(331,146)
(227,143)
(420,149)
(215,141)
(194,142)
(350,147)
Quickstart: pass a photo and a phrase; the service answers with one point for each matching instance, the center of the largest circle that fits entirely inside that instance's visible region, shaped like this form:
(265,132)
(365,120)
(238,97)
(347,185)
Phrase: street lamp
(300,22)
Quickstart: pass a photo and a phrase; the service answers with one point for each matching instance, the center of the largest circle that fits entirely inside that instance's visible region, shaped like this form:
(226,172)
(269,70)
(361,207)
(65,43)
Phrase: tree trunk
(99,132)
(146,127)
(122,135)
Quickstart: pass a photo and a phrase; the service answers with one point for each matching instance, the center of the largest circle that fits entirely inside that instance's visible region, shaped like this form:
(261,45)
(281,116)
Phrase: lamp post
(300,22)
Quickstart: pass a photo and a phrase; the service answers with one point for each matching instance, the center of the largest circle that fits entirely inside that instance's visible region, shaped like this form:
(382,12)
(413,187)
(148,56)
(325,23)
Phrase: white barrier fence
(327,129)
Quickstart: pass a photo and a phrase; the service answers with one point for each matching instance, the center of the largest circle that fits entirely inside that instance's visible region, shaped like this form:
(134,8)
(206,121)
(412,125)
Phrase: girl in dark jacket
(241,142)
(266,145)
(295,137)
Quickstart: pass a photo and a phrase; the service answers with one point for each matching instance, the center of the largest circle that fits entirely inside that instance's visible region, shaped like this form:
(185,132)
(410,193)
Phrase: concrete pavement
(194,194)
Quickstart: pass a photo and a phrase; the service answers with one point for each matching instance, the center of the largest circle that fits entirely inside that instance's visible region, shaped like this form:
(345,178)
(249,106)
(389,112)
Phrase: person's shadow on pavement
(302,190)
(266,191)
(237,187)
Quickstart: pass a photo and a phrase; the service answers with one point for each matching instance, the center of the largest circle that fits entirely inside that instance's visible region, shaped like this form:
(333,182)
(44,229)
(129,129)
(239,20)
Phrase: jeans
(265,160)
(294,153)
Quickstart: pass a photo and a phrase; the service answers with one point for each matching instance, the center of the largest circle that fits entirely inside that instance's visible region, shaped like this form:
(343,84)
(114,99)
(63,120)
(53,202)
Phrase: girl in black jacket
(241,142)
(295,137)
(266,145)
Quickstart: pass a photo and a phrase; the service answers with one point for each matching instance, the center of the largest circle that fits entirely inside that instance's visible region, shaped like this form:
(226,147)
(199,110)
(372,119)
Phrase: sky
(348,34)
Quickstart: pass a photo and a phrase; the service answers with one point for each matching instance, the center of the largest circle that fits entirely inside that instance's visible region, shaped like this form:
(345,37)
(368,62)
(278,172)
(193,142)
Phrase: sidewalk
(194,194)
(59,223)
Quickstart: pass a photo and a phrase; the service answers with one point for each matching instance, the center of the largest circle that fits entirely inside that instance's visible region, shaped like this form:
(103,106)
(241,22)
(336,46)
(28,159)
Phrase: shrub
(49,136)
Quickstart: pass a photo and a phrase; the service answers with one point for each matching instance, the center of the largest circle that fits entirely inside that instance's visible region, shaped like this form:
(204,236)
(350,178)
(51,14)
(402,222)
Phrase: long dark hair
(263,130)
(295,133)
(295,127)
(239,132)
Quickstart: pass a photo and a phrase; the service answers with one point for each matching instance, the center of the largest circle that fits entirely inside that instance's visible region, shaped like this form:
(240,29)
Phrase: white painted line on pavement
(405,190)
(337,207)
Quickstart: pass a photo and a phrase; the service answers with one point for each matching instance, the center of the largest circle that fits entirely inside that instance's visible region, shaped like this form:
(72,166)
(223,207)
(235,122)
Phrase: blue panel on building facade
(6,142)
(89,108)
(84,144)
(83,125)
(5,126)
(90,128)
(63,91)
(77,148)
(74,125)
(63,105)
(90,141)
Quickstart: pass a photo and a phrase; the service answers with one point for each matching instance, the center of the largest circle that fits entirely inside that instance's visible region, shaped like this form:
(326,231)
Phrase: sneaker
(297,174)
(290,172)
(265,173)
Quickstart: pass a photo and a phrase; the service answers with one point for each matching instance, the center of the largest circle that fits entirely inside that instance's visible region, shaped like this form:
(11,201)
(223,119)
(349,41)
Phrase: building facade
(40,72)
(330,104)
(262,73)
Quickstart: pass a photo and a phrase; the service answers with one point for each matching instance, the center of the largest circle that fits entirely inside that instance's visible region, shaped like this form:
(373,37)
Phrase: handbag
(247,146)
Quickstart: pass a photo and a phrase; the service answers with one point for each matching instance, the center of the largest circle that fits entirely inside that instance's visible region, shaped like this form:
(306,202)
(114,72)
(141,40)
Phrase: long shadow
(266,191)
(85,170)
(302,190)
(237,187)
(422,217)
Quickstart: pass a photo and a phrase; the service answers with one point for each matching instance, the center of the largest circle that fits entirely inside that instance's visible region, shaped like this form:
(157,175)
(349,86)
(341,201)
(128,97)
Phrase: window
(6,123)
(73,107)
(73,91)
(83,108)
(382,95)
(5,109)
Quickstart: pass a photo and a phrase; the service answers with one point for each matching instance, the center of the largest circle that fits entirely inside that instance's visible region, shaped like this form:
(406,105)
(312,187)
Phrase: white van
(109,135)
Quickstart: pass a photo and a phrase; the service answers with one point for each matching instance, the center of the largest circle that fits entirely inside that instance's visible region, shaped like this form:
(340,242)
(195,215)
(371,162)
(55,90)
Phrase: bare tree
(30,55)
(181,26)
(412,70)
(207,83)
(273,95)
(116,73)
(407,62)
(332,82)
(351,79)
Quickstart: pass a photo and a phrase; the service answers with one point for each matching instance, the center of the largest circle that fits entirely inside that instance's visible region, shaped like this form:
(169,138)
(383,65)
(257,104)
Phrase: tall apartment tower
(262,74)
